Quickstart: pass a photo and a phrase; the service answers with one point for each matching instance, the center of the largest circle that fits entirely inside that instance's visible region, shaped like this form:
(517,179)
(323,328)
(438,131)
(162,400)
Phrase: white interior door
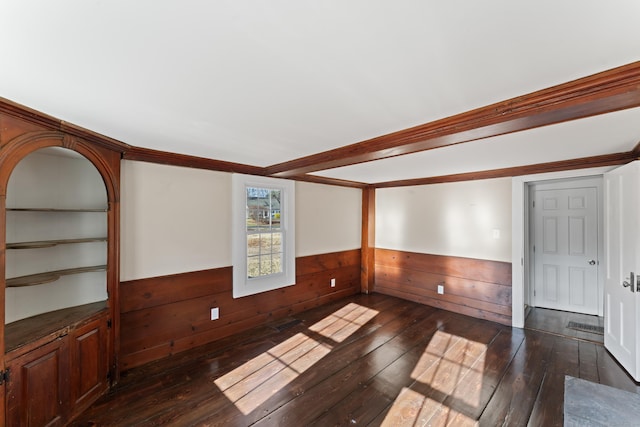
(622,295)
(565,248)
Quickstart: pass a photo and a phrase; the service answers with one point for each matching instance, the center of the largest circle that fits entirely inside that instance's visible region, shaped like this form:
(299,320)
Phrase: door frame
(571,183)
(520,257)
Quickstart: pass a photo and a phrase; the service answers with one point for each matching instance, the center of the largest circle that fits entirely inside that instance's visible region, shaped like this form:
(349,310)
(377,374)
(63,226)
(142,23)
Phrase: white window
(263,234)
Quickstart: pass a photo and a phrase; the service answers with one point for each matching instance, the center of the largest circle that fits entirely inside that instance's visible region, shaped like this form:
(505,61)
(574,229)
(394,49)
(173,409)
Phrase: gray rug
(588,404)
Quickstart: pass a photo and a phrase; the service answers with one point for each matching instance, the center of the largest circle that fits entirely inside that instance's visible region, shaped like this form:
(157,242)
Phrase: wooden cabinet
(38,385)
(59,264)
(54,378)
(89,363)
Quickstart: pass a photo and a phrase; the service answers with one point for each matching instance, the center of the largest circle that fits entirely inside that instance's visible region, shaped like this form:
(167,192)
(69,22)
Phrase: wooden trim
(185,160)
(368,233)
(329,181)
(3,269)
(605,92)
(562,165)
(173,159)
(35,117)
(28,114)
(636,151)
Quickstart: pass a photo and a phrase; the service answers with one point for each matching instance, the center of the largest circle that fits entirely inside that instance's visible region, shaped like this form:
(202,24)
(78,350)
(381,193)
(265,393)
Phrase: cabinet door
(38,386)
(89,363)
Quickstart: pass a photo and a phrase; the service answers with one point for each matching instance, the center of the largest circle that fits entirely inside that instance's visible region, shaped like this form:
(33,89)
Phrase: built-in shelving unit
(59,209)
(56,227)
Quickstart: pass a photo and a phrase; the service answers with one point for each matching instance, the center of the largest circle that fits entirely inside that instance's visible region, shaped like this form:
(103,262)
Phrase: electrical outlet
(333,283)
(441,289)
(215,313)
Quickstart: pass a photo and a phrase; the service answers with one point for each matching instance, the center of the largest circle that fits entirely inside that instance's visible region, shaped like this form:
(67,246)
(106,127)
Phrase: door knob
(628,282)
(592,262)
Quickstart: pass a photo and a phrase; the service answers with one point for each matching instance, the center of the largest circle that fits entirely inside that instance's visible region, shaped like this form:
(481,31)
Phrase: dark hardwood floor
(556,321)
(366,360)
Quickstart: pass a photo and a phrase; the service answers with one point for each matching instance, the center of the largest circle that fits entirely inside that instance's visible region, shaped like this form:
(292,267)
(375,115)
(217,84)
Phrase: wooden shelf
(48,277)
(47,326)
(52,243)
(54,210)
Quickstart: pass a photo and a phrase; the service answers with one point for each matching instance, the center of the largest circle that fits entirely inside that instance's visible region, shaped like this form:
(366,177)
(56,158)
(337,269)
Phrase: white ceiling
(264,82)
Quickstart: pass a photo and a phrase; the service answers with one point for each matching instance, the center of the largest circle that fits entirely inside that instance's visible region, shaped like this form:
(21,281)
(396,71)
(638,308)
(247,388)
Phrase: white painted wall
(173,220)
(328,218)
(176,219)
(48,179)
(456,219)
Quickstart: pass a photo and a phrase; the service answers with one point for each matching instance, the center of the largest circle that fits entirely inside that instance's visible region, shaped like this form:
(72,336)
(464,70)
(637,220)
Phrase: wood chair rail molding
(605,92)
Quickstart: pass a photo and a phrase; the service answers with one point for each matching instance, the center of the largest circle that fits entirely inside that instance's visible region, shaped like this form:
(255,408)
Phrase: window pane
(253,244)
(264,239)
(263,208)
(276,263)
(276,246)
(265,266)
(265,243)
(253,266)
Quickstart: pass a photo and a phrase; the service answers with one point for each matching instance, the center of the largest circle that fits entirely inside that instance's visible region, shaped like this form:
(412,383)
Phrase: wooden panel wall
(477,288)
(169,314)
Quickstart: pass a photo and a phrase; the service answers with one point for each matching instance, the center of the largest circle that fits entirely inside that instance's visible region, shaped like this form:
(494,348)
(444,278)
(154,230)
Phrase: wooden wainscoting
(473,287)
(165,315)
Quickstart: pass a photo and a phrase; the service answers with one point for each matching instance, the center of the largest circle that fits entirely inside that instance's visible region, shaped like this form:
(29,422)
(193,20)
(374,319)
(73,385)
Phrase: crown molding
(563,165)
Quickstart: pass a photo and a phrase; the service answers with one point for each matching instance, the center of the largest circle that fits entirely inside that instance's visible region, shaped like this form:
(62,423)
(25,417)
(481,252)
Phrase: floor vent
(286,325)
(594,329)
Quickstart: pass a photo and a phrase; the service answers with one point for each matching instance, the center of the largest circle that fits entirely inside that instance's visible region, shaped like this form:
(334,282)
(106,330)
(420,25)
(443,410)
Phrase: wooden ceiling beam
(605,92)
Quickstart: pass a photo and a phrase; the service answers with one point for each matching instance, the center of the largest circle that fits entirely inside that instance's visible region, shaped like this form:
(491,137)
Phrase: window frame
(242,284)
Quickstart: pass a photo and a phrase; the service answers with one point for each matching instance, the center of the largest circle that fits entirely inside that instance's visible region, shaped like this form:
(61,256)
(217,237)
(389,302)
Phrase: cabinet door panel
(90,363)
(38,389)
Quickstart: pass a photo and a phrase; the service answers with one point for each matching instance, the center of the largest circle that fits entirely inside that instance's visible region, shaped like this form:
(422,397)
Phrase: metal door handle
(592,262)
(629,281)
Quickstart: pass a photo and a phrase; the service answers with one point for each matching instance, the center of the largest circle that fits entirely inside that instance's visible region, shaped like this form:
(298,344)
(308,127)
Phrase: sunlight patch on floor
(253,383)
(344,322)
(414,409)
(447,361)
(447,387)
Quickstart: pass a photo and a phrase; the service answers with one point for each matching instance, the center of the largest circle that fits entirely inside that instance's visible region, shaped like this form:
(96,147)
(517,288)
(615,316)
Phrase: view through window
(264,233)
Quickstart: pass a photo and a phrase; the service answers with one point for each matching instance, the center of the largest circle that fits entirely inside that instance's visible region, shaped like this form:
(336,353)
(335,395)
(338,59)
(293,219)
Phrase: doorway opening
(554,320)
(565,246)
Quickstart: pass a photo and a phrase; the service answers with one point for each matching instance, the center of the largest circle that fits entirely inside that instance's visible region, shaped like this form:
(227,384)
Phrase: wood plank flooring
(366,360)
(556,321)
